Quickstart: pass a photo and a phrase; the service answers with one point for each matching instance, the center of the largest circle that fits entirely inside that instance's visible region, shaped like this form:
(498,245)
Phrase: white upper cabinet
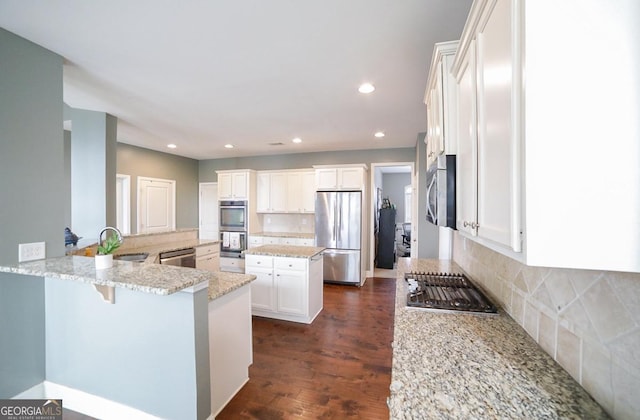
(233,185)
(440,99)
(285,191)
(544,187)
(351,177)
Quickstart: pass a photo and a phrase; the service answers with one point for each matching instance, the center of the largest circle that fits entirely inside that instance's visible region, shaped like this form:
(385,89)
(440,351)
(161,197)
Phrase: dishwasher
(181,257)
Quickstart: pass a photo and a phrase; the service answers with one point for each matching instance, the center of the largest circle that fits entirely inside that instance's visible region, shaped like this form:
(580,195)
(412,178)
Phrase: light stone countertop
(286,235)
(452,366)
(142,277)
(222,283)
(292,251)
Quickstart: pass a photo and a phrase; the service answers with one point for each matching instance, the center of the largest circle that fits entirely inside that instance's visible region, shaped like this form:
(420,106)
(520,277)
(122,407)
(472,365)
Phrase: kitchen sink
(136,257)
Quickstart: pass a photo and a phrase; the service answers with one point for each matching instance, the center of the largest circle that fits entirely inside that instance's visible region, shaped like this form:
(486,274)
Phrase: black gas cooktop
(447,291)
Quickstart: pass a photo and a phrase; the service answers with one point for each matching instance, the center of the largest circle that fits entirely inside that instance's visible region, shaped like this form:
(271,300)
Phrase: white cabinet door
(294,192)
(278,192)
(467,144)
(240,185)
(233,185)
(262,288)
(156,205)
(351,178)
(291,284)
(308,192)
(263,204)
(225,188)
(326,178)
(494,125)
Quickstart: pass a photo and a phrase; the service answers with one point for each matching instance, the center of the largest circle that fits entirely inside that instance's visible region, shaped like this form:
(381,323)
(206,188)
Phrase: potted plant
(104,258)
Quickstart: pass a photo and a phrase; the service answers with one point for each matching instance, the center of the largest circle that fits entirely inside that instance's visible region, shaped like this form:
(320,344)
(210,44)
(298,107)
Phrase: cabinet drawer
(289,241)
(305,241)
(207,249)
(255,241)
(290,263)
(259,261)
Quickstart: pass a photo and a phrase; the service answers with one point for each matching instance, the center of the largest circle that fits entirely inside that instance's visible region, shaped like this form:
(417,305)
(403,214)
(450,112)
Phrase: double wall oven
(233,232)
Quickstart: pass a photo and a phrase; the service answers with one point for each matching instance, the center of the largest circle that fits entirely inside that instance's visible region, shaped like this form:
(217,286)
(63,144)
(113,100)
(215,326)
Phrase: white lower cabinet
(230,345)
(286,288)
(208,257)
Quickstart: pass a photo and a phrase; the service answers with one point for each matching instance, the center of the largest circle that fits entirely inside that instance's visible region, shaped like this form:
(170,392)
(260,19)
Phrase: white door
(123,203)
(208,210)
(156,205)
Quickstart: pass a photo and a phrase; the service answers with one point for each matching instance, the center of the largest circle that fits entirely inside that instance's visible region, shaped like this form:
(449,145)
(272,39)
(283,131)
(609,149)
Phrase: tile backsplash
(588,321)
(288,223)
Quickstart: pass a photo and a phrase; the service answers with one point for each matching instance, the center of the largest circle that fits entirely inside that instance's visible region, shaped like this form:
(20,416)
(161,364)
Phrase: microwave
(441,191)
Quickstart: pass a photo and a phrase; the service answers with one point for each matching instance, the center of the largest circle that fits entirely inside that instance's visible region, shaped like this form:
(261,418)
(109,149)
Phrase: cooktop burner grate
(446,291)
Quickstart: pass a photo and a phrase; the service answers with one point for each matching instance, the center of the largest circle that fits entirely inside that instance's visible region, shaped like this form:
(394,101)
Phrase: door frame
(123,201)
(380,166)
(173,199)
(200,212)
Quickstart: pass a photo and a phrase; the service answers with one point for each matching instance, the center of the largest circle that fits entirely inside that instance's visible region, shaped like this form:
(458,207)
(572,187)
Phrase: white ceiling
(204,73)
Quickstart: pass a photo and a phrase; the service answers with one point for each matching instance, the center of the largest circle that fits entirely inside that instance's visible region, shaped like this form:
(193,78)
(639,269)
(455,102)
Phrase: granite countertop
(222,283)
(293,251)
(474,366)
(147,278)
(286,235)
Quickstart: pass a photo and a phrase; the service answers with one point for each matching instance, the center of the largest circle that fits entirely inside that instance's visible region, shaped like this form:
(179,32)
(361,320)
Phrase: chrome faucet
(118,234)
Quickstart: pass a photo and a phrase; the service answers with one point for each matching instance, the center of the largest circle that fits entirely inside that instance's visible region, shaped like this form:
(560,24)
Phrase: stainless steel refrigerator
(338,228)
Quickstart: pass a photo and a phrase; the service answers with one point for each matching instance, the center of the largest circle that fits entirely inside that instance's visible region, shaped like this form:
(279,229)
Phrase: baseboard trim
(83,402)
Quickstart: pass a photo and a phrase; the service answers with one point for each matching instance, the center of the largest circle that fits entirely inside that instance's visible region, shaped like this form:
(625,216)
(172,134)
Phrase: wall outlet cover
(31,251)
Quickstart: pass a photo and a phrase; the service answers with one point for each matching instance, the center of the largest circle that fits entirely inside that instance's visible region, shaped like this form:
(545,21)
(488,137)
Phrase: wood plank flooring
(337,367)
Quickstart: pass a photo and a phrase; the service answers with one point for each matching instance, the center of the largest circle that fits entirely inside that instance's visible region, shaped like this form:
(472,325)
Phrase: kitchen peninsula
(474,366)
(147,354)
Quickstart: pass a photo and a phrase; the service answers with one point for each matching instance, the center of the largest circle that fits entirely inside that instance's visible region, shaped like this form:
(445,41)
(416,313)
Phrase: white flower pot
(104,261)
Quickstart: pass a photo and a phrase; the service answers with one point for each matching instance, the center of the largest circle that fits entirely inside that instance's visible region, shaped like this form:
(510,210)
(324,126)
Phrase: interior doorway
(400,190)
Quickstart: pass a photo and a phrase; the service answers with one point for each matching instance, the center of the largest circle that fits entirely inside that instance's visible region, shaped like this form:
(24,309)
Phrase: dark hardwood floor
(337,367)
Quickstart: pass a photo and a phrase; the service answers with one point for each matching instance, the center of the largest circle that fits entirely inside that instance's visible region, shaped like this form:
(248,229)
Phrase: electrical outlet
(32,251)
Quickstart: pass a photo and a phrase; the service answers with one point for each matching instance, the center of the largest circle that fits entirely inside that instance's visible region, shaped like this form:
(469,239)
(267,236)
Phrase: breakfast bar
(145,351)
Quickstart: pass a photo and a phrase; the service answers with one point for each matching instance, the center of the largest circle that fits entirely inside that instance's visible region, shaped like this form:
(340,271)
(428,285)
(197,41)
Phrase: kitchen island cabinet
(288,282)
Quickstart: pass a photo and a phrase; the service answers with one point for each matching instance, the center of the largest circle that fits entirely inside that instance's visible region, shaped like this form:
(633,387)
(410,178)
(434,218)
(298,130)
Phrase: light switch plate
(31,251)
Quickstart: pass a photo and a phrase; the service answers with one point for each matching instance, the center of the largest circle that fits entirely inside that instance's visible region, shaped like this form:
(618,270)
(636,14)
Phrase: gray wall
(93,172)
(208,168)
(393,189)
(32,188)
(137,161)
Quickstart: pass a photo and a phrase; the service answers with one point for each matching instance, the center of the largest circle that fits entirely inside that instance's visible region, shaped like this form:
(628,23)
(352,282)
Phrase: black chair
(406,236)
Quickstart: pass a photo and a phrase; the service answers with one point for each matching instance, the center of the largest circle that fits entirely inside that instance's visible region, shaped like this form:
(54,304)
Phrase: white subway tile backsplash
(589,321)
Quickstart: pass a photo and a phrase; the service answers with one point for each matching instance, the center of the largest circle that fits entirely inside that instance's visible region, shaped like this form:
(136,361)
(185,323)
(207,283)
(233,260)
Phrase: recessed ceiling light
(171,146)
(229,146)
(297,140)
(366,88)
(379,134)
